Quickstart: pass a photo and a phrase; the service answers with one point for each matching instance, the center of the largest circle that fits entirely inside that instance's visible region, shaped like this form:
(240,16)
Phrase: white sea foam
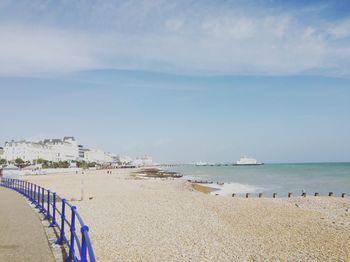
(228,189)
(196,177)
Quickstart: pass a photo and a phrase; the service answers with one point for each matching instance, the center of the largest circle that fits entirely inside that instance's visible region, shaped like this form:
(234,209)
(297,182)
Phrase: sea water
(274,178)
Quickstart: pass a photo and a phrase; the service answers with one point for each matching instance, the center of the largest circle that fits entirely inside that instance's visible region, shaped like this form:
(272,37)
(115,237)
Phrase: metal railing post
(62,237)
(48,206)
(34,195)
(31,191)
(83,230)
(38,204)
(53,221)
(72,231)
(42,200)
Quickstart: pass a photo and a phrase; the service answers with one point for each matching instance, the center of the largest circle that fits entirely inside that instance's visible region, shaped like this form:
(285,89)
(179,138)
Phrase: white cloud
(340,29)
(28,50)
(177,38)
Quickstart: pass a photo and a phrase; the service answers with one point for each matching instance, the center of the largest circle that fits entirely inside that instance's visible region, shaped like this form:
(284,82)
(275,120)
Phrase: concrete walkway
(22,236)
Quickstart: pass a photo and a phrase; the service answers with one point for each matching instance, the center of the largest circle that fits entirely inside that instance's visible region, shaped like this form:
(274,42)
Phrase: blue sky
(183,81)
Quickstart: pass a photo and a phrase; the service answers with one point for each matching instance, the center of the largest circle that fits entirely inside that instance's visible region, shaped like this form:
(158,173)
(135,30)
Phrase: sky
(182,81)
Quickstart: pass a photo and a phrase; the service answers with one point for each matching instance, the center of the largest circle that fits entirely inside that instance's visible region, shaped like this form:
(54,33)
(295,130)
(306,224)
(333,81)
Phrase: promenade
(22,237)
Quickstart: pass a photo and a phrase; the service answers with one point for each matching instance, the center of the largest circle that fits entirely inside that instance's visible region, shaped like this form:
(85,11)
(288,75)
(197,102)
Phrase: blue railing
(61,214)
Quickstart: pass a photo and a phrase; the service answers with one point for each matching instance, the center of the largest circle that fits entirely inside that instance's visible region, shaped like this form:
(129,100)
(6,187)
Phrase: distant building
(143,161)
(98,156)
(63,150)
(55,150)
(66,149)
(124,160)
(1,153)
(81,152)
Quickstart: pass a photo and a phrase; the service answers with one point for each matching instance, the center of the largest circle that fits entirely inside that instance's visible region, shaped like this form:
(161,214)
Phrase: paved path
(22,236)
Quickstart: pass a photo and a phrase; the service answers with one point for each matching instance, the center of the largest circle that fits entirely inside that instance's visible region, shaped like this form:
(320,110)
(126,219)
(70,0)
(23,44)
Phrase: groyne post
(247,195)
(233,195)
(274,195)
(343,195)
(289,195)
(260,195)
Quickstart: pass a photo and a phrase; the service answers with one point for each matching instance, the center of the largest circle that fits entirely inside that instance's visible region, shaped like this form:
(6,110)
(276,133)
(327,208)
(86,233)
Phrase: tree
(82,164)
(3,162)
(19,162)
(92,164)
(41,161)
(63,164)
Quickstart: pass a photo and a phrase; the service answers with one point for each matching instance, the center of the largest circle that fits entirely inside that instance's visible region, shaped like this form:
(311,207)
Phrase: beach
(152,219)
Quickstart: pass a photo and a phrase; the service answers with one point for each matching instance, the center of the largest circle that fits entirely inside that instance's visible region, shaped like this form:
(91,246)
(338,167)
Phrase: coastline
(156,219)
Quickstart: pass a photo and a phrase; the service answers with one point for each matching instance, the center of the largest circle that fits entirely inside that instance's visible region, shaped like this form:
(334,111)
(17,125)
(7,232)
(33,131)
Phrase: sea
(273,178)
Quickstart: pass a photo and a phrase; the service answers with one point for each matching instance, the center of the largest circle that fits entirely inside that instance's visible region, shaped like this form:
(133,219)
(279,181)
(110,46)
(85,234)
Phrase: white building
(143,161)
(1,153)
(98,156)
(124,160)
(49,149)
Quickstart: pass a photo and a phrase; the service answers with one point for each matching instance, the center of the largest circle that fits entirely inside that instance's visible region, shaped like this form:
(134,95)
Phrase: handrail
(46,202)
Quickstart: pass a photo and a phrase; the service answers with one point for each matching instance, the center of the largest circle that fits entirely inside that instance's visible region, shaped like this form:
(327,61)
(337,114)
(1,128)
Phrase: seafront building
(66,149)
(143,161)
(1,153)
(55,150)
(99,156)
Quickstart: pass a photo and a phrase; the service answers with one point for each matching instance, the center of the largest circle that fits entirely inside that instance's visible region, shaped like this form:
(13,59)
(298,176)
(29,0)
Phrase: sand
(167,220)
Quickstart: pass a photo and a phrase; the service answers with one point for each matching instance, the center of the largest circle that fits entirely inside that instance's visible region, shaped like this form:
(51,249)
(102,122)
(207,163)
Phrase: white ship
(200,163)
(247,161)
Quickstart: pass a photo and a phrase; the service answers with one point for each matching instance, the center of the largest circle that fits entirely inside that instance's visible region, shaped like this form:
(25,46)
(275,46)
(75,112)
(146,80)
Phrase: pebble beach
(152,219)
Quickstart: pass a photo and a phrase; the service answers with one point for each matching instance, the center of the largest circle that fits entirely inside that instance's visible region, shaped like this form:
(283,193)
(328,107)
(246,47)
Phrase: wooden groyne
(261,194)
(289,195)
